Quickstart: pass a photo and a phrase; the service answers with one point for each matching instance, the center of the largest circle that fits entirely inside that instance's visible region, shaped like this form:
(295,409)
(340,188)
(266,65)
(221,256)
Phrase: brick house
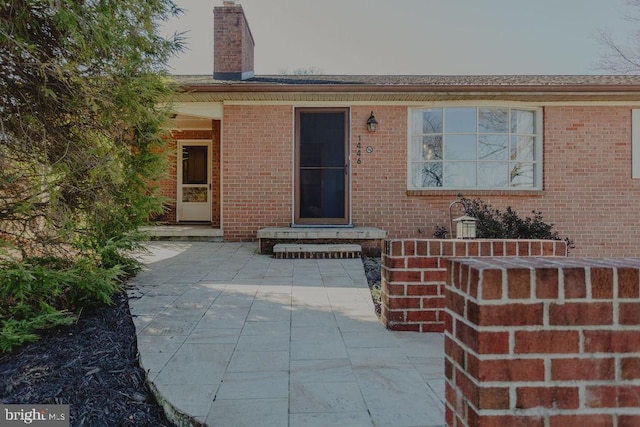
(253,152)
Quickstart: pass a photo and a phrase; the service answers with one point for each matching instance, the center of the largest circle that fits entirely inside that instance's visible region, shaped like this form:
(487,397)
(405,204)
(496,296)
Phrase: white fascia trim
(207,110)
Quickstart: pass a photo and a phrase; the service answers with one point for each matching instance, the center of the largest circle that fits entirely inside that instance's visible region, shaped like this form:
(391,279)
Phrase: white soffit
(207,110)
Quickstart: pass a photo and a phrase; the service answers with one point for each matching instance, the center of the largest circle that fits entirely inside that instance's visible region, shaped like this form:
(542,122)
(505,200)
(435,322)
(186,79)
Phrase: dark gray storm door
(322,166)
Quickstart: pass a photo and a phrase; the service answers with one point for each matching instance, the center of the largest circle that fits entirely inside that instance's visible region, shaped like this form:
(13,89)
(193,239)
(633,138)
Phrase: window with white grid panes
(475,148)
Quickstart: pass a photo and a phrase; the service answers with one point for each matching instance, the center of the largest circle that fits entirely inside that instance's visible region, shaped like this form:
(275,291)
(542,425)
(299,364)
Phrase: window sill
(474,193)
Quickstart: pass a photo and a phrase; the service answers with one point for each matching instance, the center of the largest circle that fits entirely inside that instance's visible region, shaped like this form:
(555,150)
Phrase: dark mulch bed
(91,366)
(373,273)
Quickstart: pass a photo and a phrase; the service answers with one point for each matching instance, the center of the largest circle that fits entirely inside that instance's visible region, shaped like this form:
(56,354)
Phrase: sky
(451,37)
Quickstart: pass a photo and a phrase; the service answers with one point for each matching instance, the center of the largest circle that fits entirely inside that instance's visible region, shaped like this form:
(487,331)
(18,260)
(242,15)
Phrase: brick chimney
(232,43)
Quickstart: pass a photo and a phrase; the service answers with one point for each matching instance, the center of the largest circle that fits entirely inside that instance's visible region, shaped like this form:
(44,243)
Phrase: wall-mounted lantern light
(465,227)
(372,123)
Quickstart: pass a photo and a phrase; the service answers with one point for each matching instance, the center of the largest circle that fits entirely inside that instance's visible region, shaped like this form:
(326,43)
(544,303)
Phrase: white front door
(194,181)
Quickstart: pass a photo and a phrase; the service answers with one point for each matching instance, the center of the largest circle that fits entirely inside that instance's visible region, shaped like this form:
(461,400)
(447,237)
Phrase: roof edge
(408,88)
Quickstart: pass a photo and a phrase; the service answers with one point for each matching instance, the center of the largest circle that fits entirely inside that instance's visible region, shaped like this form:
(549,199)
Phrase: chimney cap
(229,3)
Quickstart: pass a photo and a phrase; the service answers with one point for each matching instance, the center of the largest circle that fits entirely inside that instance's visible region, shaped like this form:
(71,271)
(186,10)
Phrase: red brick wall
(543,342)
(257,147)
(379,182)
(233,43)
(216,201)
(414,275)
(588,191)
(168,185)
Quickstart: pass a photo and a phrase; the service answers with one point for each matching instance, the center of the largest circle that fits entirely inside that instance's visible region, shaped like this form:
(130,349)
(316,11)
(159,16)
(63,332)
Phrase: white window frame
(635,143)
(538,148)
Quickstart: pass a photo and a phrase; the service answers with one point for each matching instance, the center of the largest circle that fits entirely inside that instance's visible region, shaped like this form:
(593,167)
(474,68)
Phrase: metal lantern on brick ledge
(465,227)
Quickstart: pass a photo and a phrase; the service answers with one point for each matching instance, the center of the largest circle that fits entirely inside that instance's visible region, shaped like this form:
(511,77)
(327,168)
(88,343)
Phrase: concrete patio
(233,338)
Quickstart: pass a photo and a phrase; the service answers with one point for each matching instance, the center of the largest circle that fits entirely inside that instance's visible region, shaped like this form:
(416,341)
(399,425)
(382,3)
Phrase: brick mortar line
(553,412)
(557,383)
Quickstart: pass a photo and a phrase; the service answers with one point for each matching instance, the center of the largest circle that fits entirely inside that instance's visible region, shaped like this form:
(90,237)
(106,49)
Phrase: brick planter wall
(543,342)
(414,271)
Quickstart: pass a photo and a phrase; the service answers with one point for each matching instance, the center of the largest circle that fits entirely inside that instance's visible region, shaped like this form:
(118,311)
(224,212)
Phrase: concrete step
(315,251)
(369,238)
(185,232)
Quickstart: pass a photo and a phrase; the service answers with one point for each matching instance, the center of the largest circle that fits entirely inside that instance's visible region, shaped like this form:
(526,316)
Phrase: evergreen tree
(81,91)
(83,99)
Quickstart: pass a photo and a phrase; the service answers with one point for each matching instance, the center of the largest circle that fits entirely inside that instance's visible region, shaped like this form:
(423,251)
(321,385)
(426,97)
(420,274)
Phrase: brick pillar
(414,271)
(545,342)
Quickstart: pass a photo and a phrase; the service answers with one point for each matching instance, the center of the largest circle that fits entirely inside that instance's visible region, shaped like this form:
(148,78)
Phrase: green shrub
(441,232)
(495,224)
(82,148)
(14,333)
(92,285)
(41,293)
(114,253)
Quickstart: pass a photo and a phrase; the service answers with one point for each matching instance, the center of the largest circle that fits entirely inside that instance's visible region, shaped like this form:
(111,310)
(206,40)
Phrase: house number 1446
(369,150)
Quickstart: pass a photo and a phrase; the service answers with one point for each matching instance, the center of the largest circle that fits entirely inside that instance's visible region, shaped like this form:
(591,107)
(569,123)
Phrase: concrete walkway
(234,338)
